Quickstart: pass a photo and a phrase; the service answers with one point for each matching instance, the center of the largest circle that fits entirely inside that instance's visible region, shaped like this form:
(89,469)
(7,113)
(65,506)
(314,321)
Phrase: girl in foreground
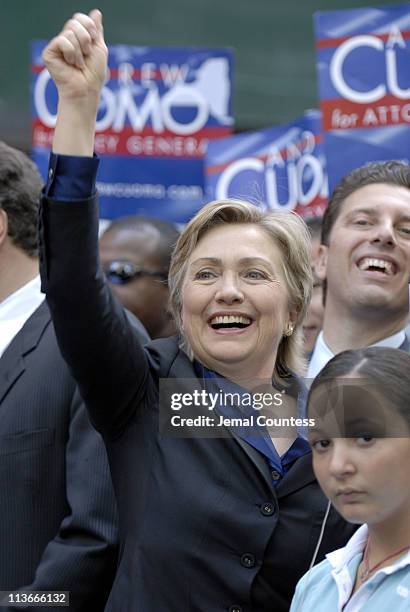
(361,458)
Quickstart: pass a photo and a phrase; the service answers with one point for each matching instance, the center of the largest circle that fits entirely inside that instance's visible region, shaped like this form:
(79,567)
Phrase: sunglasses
(122,272)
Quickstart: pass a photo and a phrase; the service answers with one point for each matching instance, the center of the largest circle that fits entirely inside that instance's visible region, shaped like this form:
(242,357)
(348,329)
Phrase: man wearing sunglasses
(135,253)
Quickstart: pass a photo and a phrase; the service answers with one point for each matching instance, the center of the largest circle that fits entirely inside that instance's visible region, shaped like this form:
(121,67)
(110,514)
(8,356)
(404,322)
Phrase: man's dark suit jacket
(58,523)
(202,527)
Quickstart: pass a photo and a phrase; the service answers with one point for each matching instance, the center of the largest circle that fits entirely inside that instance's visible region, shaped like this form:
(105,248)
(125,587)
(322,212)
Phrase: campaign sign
(363,63)
(159,109)
(277,168)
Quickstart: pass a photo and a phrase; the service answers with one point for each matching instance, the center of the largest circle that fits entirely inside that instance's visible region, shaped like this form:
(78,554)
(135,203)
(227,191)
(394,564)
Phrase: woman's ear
(290,326)
(293,316)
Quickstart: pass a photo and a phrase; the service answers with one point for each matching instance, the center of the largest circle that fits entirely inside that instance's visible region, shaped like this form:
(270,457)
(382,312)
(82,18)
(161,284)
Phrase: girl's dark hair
(387,369)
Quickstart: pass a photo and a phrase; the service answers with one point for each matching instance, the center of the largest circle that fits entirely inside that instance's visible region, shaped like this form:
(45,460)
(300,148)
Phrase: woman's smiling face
(235,304)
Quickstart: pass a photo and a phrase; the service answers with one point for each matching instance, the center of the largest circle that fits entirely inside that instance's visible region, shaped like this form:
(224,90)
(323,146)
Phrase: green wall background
(275,79)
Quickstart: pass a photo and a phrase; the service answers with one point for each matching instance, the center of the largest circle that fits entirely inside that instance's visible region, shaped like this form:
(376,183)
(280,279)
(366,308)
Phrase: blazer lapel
(300,474)
(182,368)
(12,360)
(258,460)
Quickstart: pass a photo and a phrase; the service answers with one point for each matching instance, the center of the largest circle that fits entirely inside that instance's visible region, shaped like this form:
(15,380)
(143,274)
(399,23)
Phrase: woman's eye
(405,230)
(320,445)
(255,274)
(205,275)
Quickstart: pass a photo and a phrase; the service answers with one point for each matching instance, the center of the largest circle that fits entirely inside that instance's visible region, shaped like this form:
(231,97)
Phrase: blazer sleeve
(95,336)
(82,557)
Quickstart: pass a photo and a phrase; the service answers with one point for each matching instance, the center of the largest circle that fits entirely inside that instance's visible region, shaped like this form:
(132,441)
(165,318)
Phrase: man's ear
(320,267)
(4,226)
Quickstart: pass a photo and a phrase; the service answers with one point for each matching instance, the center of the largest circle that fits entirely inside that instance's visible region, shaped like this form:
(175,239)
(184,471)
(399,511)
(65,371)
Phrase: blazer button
(248,560)
(235,609)
(267,509)
(275,475)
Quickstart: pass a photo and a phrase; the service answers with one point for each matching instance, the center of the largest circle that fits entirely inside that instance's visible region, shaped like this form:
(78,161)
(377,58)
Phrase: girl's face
(366,478)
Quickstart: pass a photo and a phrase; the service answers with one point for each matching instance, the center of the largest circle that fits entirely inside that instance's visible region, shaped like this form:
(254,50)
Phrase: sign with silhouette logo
(159,109)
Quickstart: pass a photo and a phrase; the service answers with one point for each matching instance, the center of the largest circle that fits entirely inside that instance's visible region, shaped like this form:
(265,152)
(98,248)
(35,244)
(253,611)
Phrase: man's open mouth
(373,264)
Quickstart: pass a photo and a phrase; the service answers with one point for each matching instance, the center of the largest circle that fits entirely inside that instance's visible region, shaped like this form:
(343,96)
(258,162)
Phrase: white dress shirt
(322,353)
(16,309)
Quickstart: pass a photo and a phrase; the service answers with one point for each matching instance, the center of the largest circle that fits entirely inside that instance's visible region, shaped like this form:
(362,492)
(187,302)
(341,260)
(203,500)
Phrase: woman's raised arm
(95,337)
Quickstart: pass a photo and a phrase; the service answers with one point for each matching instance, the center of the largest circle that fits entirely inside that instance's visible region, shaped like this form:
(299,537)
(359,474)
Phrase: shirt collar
(22,300)
(338,559)
(322,353)
(16,309)
(394,341)
(258,436)
(341,557)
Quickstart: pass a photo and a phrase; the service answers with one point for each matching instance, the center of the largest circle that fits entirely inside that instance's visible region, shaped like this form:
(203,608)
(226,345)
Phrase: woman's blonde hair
(288,233)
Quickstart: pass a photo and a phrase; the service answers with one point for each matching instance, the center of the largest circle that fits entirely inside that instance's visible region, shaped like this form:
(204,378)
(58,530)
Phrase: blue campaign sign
(159,109)
(281,167)
(363,59)
(163,187)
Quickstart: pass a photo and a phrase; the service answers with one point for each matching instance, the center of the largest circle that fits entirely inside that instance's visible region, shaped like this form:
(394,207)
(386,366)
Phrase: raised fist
(77,57)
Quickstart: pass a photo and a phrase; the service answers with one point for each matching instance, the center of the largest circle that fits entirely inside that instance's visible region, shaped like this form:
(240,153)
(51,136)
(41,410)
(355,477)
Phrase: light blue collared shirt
(328,585)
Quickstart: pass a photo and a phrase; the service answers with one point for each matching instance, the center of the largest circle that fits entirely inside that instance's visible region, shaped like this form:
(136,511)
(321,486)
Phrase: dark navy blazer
(201,526)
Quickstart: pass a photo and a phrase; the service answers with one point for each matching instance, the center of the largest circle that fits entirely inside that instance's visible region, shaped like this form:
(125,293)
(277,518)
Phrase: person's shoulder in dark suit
(58,518)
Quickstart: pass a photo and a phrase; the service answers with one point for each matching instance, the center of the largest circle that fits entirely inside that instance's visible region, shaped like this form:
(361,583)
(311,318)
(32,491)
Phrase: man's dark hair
(167,233)
(20,186)
(389,173)
(314,226)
